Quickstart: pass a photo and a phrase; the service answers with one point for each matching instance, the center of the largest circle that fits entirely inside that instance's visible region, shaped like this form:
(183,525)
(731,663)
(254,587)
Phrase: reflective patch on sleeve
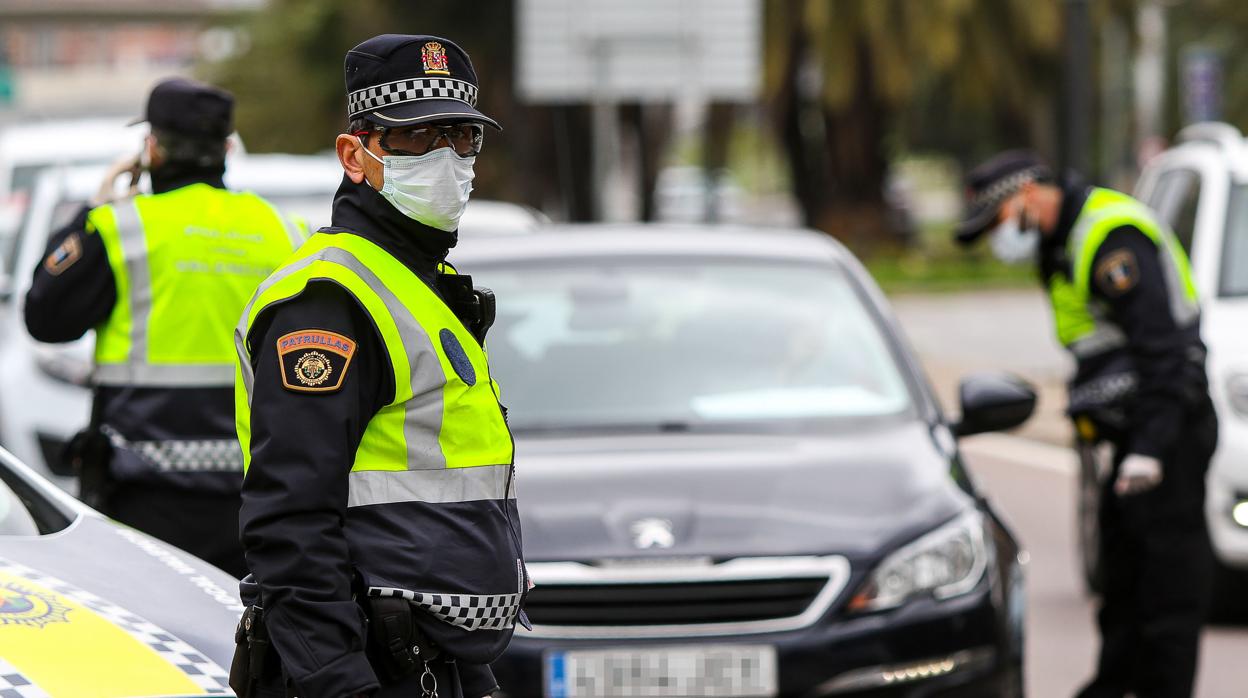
(64,256)
(1118,273)
(314,361)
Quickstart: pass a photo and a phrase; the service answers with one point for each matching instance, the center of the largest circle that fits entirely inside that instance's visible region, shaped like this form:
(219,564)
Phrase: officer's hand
(107,192)
(1137,474)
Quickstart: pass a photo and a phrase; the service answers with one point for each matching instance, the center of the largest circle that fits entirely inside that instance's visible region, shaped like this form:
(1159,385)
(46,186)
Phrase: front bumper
(927,648)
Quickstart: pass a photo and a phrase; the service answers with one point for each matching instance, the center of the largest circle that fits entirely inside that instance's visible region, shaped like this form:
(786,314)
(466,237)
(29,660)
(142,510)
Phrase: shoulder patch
(64,256)
(314,361)
(1118,273)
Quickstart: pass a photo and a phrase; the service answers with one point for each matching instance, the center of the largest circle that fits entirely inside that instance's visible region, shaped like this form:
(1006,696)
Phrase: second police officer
(379,480)
(161,278)
(1126,309)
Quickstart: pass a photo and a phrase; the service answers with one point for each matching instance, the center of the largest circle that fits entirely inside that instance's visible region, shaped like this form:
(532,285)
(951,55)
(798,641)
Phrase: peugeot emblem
(652,533)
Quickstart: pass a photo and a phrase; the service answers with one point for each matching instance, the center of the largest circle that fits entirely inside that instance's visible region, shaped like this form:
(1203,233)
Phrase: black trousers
(203,524)
(1158,573)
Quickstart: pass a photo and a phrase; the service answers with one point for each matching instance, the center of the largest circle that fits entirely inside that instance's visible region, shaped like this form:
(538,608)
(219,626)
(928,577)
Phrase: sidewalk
(956,334)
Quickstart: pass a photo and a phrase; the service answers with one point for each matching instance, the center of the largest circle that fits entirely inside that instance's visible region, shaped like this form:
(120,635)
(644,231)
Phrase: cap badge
(434,57)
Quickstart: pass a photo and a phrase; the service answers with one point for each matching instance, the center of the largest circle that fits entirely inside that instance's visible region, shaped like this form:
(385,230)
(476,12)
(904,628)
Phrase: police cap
(189,108)
(400,79)
(992,183)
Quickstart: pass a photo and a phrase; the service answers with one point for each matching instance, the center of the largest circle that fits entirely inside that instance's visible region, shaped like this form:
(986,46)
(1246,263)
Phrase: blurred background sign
(1202,85)
(645,50)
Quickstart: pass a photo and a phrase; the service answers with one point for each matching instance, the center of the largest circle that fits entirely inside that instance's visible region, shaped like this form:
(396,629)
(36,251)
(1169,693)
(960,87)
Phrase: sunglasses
(465,139)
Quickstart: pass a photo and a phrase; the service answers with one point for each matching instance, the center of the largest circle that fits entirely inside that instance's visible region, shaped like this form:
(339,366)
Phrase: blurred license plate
(711,670)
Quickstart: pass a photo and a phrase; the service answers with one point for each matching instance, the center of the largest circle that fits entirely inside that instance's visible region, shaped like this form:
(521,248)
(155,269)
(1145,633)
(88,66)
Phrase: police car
(733,477)
(89,607)
(1200,188)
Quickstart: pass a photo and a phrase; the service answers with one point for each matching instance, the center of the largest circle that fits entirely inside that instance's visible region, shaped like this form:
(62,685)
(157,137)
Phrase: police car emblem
(20,605)
(313,368)
(434,57)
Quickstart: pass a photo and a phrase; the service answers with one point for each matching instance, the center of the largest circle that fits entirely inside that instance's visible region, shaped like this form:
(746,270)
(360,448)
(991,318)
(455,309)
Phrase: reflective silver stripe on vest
(293,232)
(422,417)
(440,486)
(164,375)
(183,455)
(467,611)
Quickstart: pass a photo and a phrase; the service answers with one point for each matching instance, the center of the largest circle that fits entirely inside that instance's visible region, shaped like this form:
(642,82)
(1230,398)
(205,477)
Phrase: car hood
(133,615)
(857,494)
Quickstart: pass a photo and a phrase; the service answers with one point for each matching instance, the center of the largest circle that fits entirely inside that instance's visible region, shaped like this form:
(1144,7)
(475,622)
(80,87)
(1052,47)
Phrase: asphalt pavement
(1030,479)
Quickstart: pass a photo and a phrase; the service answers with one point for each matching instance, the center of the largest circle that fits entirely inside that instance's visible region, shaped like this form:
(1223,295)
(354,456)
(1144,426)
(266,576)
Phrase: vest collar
(359,209)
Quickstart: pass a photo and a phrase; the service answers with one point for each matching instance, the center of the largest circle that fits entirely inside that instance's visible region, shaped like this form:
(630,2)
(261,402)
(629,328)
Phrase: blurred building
(75,57)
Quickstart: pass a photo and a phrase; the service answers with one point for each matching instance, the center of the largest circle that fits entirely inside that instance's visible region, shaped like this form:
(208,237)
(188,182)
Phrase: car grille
(694,599)
(662,604)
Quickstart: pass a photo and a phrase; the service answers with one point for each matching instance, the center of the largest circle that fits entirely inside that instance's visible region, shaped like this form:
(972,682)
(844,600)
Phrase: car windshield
(655,345)
(15,518)
(1234,274)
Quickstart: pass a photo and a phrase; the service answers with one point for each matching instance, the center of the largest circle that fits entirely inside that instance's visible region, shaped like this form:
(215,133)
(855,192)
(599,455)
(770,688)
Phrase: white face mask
(1012,244)
(432,188)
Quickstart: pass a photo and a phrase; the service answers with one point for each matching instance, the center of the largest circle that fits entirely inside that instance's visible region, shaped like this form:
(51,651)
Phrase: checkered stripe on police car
(183,455)
(392,93)
(467,611)
(14,685)
(198,668)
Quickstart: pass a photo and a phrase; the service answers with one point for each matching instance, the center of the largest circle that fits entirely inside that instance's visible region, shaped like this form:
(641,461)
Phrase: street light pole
(1076,92)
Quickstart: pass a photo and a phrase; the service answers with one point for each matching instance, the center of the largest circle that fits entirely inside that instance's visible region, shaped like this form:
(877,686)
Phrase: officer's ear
(351,156)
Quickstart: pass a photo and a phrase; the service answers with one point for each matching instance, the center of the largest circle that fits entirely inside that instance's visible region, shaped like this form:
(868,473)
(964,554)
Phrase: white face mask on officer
(432,188)
(1013,244)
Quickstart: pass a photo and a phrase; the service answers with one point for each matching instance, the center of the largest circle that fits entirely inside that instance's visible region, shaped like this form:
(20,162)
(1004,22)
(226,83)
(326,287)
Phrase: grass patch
(935,264)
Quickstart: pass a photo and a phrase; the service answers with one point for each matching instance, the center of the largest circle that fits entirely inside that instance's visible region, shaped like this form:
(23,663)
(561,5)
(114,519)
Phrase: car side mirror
(993,402)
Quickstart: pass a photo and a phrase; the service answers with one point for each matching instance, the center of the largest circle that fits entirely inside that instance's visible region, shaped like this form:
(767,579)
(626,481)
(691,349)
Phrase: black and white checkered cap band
(1003,188)
(467,611)
(415,90)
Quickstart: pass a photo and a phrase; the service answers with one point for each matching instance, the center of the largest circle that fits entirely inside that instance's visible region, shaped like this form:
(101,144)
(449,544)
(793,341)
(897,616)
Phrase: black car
(734,479)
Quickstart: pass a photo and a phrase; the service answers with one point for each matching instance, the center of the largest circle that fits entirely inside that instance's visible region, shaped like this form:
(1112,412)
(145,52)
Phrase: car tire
(1092,465)
(1228,604)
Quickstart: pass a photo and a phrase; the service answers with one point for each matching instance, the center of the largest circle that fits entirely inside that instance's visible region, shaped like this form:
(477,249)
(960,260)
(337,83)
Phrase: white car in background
(45,399)
(1200,188)
(25,151)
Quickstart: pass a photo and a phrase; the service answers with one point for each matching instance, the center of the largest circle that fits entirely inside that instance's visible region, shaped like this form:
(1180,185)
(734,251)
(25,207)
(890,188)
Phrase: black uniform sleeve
(73,288)
(1127,275)
(294,497)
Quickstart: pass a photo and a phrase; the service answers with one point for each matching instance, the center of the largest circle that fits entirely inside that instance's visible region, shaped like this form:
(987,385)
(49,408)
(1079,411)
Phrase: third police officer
(161,278)
(1125,307)
(379,517)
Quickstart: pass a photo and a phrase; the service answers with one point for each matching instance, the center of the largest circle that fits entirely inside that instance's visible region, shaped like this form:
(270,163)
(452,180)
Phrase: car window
(15,518)
(1233,276)
(1175,200)
(661,345)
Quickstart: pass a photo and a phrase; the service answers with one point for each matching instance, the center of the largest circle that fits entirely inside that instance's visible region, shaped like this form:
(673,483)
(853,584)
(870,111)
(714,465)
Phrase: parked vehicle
(734,478)
(91,607)
(1200,188)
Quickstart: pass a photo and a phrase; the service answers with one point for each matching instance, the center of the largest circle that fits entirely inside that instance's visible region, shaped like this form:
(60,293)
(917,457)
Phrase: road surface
(1032,486)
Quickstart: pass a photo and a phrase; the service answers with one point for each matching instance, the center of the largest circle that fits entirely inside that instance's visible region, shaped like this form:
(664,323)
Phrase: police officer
(1126,308)
(162,278)
(378,459)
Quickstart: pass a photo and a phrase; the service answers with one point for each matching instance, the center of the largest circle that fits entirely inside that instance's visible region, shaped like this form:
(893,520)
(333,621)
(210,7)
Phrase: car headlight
(1237,393)
(944,563)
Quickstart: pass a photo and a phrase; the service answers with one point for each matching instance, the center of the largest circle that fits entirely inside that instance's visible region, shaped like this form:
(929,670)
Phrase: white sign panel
(639,50)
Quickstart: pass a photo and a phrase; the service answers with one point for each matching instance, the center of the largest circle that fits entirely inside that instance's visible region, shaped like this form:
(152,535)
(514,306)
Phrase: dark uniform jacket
(295,495)
(1169,359)
(62,307)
